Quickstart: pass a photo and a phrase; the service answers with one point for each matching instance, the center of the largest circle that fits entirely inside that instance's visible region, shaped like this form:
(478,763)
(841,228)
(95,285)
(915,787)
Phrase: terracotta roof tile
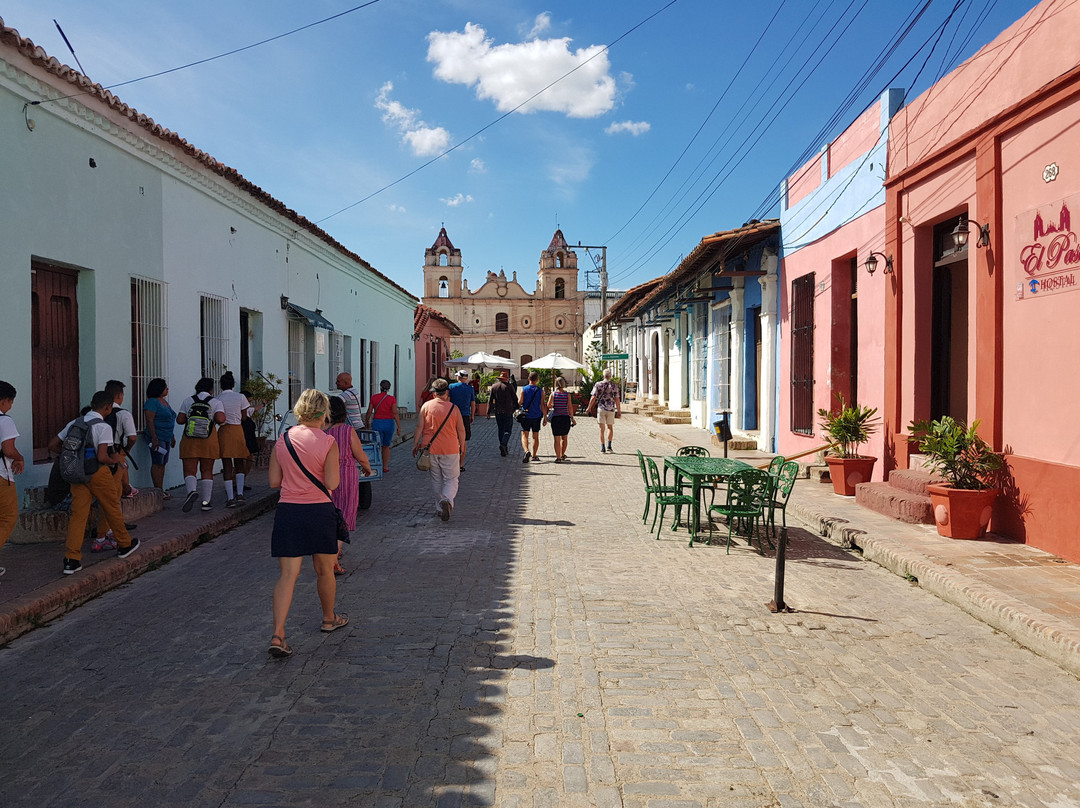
(424,314)
(11,38)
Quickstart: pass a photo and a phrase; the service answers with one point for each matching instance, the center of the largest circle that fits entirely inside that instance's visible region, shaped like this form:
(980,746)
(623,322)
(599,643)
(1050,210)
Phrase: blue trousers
(505,423)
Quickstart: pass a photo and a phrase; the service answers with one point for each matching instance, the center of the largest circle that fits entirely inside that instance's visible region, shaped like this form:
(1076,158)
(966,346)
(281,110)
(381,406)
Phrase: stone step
(889,500)
(37,525)
(819,473)
(665,417)
(912,481)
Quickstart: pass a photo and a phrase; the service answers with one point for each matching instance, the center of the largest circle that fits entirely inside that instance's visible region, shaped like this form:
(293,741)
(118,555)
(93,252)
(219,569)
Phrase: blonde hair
(560,382)
(311,406)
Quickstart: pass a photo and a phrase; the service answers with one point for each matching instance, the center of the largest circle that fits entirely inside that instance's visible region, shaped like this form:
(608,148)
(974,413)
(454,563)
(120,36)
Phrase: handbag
(520,414)
(423,458)
(342,525)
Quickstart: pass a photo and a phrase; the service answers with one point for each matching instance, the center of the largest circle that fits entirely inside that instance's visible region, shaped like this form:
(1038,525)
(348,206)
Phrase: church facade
(501,317)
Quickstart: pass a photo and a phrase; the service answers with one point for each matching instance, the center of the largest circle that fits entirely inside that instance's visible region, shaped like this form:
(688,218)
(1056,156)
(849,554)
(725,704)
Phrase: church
(501,317)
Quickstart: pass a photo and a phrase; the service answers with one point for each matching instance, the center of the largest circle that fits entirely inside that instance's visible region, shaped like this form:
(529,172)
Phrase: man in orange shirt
(441,430)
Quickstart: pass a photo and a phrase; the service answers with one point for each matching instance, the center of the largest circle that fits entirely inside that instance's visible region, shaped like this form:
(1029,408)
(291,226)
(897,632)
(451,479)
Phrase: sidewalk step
(889,500)
(673,418)
(48,525)
(912,481)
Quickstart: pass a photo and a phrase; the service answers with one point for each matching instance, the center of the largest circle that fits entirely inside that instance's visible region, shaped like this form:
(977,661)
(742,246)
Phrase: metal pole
(603,299)
(777,604)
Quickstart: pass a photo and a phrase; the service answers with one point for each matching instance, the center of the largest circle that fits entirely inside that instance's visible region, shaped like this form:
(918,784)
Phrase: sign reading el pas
(1049,251)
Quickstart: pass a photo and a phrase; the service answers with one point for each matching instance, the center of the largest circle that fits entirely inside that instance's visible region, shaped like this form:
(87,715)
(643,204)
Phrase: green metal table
(700,470)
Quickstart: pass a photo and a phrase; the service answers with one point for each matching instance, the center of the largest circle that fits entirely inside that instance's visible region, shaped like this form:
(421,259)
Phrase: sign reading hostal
(1049,250)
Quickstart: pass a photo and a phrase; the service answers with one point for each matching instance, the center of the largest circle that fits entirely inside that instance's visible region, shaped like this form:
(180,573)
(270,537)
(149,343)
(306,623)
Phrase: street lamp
(960,233)
(872,262)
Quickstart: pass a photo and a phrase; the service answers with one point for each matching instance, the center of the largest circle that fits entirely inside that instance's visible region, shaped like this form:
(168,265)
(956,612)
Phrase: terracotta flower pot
(962,514)
(847,472)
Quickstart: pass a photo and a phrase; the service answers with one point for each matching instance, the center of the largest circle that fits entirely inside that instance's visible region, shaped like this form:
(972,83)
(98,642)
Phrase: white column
(738,361)
(767,391)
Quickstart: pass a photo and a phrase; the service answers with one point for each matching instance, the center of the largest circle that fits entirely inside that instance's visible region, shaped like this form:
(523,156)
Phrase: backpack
(75,465)
(198,420)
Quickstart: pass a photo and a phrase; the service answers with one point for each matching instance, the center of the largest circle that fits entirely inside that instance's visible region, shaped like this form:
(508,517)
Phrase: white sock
(189,484)
(240,483)
(228,489)
(206,489)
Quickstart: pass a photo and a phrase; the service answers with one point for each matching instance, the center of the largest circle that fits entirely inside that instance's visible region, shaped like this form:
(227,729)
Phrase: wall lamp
(872,262)
(960,233)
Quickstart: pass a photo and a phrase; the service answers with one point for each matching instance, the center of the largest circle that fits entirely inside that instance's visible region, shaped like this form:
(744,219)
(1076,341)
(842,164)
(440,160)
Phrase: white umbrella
(555,361)
(481,360)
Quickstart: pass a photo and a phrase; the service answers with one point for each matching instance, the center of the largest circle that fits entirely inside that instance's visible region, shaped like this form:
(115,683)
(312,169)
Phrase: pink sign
(1049,250)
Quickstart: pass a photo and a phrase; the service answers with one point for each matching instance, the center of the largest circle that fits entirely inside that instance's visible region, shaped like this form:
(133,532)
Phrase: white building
(127,253)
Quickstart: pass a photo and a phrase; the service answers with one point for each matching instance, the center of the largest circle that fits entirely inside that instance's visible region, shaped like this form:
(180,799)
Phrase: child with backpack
(199,415)
(88,462)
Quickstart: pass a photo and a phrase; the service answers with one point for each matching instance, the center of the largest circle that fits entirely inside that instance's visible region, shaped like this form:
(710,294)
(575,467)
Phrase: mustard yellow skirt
(231,441)
(200,448)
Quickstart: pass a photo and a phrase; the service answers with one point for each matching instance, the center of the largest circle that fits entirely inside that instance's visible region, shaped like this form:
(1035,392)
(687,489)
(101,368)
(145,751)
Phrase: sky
(639,125)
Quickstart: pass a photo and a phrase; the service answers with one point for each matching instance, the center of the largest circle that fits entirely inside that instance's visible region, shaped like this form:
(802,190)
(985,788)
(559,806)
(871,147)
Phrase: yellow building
(501,317)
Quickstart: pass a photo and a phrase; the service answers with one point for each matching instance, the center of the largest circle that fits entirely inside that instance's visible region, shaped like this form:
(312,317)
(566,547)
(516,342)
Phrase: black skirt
(560,425)
(303,530)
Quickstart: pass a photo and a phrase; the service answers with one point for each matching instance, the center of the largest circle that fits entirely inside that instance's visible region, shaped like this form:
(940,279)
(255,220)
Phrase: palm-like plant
(957,453)
(848,427)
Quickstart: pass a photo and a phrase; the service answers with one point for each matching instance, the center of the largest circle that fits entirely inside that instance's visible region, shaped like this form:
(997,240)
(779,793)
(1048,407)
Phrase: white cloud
(635,128)
(541,24)
(454,201)
(477,166)
(424,140)
(395,208)
(511,74)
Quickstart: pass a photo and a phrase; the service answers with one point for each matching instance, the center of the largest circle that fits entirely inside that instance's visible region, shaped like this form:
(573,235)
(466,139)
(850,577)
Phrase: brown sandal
(280,649)
(339,621)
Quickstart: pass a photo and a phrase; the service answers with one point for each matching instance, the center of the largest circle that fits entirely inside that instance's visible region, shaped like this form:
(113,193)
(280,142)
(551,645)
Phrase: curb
(1043,634)
(60,597)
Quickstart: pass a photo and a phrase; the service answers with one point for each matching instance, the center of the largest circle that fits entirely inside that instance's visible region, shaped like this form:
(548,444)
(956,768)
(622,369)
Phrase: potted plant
(263,392)
(482,403)
(964,503)
(848,427)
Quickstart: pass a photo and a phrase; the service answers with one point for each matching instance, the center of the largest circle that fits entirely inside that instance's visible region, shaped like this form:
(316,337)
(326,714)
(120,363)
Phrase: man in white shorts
(605,402)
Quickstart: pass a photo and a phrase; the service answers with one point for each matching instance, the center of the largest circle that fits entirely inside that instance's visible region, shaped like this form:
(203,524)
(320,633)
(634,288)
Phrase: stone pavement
(541,649)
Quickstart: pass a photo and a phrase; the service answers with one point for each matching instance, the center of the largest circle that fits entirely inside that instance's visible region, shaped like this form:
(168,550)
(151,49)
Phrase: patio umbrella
(555,361)
(482,360)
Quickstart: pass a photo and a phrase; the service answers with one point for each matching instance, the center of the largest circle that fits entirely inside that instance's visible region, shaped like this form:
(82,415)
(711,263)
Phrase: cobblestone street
(541,649)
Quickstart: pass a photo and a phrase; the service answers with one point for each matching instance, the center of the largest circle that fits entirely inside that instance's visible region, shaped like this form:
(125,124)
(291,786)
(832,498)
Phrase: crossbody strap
(303,468)
(449,412)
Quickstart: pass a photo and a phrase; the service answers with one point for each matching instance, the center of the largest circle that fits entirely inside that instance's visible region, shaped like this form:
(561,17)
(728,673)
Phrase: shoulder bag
(342,526)
(522,413)
(423,458)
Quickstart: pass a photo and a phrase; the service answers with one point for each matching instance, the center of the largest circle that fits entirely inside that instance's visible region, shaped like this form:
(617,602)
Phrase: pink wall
(857,139)
(1033,51)
(857,237)
(803,181)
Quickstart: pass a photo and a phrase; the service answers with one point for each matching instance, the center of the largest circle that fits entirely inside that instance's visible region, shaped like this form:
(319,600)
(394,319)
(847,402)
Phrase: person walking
(200,415)
(606,404)
(231,439)
(382,414)
(346,496)
(11,463)
(122,424)
(160,421)
(503,403)
(351,399)
(305,521)
(560,414)
(100,485)
(463,397)
(441,431)
(531,399)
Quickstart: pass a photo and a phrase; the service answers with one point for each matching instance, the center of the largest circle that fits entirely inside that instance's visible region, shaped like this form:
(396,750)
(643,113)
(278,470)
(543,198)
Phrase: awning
(314,318)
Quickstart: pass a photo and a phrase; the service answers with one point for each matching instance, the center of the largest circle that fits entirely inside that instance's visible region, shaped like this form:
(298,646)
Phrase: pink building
(990,330)
(431,334)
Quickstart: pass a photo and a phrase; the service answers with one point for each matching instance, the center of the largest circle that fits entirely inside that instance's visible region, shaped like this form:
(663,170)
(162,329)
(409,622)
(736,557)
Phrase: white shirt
(100,432)
(125,426)
(215,405)
(235,405)
(7,432)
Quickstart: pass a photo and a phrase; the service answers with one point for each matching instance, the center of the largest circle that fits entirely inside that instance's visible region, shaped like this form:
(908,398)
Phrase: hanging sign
(1049,250)
(612,356)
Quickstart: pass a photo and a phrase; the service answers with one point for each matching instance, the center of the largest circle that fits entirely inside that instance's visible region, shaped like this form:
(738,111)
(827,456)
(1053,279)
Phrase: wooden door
(54,363)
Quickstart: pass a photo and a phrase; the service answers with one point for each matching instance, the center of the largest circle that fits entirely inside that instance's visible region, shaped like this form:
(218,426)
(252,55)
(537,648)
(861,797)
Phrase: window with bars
(337,357)
(297,353)
(149,330)
(722,357)
(802,354)
(214,335)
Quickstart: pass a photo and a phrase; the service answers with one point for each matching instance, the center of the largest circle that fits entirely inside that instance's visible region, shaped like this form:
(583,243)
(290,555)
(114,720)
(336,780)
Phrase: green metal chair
(775,465)
(650,489)
(782,485)
(663,497)
(692,451)
(748,494)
